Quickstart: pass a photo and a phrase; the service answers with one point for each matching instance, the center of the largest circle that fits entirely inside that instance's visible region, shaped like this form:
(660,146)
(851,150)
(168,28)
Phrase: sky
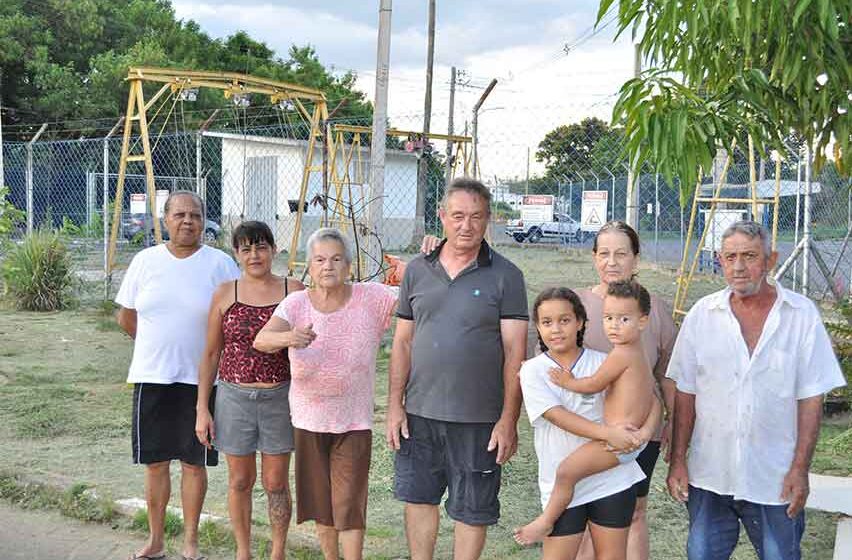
(521,43)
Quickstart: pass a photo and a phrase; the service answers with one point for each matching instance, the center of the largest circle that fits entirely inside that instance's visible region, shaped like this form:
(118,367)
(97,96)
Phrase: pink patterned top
(333,380)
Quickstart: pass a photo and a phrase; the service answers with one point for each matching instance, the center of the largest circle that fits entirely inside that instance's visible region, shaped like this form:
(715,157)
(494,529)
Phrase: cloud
(520,43)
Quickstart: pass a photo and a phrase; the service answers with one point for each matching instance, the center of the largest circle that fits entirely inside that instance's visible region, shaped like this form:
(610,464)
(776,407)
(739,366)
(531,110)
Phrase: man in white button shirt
(751,363)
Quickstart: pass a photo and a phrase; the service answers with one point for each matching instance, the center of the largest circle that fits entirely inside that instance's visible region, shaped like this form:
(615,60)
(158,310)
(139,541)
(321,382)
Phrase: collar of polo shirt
(482,259)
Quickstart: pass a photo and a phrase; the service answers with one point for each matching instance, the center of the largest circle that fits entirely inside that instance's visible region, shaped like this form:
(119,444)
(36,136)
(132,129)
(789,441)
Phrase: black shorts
(443,456)
(164,425)
(647,460)
(615,512)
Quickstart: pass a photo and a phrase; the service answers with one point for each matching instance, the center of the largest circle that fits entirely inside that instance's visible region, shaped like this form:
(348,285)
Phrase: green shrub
(10,217)
(37,273)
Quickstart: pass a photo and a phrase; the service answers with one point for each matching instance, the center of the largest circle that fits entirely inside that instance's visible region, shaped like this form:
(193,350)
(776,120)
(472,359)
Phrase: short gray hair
(328,234)
(193,195)
(470,186)
(751,230)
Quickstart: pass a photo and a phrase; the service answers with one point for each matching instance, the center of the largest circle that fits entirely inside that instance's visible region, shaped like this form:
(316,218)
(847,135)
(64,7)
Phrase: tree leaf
(800,9)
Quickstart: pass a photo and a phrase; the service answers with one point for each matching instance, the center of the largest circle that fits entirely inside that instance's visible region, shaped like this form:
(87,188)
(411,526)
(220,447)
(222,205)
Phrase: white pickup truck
(562,227)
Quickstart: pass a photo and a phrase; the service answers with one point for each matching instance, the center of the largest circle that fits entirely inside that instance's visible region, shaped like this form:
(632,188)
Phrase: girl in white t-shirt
(563,421)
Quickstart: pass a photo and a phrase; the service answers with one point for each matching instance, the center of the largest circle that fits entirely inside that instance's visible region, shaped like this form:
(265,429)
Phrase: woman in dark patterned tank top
(252,411)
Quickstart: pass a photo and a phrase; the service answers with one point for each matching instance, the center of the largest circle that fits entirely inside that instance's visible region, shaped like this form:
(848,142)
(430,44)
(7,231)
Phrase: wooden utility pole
(376,199)
(450,124)
(632,202)
(475,166)
(423,164)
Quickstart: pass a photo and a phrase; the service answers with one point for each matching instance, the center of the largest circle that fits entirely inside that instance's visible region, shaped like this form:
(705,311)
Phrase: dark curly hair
(631,289)
(567,295)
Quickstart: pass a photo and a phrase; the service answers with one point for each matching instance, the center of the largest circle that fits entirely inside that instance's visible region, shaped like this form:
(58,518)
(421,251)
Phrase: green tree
(67,59)
(723,70)
(590,145)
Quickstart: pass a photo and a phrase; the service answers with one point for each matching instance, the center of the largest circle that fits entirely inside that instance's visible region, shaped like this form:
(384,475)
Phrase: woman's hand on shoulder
(429,244)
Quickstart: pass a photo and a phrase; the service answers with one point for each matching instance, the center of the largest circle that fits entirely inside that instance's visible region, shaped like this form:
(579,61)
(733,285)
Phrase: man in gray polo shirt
(458,346)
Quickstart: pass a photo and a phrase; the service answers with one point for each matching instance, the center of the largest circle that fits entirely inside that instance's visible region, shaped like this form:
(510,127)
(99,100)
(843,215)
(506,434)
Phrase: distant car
(133,224)
(563,226)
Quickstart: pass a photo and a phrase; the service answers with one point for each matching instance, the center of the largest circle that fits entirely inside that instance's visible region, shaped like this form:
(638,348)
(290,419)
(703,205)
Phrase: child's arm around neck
(609,371)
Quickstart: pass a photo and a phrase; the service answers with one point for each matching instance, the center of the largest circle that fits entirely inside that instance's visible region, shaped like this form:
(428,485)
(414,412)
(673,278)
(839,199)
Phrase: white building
(500,193)
(261,178)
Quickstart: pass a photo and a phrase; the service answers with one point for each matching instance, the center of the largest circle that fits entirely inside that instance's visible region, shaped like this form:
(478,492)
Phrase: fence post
(106,216)
(30,208)
(806,227)
(198,190)
(91,200)
(107,279)
(798,212)
(657,218)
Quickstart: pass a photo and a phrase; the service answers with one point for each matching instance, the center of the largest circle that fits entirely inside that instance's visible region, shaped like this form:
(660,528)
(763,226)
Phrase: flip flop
(202,557)
(134,556)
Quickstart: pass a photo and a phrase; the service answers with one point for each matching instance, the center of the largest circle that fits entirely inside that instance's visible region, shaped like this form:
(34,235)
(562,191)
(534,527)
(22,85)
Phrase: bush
(10,217)
(37,273)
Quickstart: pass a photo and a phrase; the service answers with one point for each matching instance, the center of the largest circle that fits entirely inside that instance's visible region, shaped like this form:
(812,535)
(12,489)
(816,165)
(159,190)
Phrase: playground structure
(344,199)
(347,175)
(181,85)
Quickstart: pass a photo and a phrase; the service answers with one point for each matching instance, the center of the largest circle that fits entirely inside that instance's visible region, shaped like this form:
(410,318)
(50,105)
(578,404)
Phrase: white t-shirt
(746,406)
(171,297)
(553,444)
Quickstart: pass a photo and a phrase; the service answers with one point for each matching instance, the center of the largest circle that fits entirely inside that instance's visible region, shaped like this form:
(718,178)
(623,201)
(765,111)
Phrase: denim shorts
(251,419)
(450,457)
(714,527)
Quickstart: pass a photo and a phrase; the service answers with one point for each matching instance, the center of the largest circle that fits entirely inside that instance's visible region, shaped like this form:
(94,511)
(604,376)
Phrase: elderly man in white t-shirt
(165,299)
(751,363)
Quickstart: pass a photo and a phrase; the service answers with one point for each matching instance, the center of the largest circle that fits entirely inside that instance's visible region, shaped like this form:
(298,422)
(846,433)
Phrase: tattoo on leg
(280,507)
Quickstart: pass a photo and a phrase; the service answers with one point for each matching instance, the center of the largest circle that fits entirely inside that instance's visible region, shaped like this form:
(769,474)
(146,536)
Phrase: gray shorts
(250,419)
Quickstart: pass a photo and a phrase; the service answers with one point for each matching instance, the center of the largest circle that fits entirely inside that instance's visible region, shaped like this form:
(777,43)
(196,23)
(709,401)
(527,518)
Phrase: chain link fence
(245,170)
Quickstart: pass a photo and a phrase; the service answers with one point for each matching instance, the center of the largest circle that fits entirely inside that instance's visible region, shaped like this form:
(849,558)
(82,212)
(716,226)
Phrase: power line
(569,46)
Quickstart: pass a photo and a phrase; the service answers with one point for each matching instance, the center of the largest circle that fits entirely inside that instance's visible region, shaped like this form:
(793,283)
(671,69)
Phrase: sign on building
(162,195)
(138,202)
(593,210)
(537,208)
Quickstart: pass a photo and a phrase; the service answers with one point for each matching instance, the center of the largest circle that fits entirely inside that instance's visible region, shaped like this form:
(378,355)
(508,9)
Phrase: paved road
(38,535)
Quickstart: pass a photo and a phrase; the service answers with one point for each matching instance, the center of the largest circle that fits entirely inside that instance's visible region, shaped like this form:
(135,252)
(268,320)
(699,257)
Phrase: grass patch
(212,535)
(76,502)
(833,454)
(40,413)
(173,525)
